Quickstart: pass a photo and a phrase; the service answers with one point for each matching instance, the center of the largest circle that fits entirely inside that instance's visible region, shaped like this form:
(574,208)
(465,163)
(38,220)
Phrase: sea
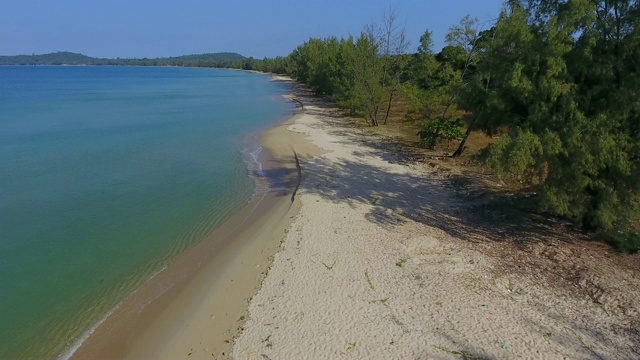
(106,175)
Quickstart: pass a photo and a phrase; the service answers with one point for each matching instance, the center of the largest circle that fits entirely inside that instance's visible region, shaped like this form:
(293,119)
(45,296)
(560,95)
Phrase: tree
(426,43)
(476,90)
(392,43)
(367,71)
(421,82)
(455,65)
(344,78)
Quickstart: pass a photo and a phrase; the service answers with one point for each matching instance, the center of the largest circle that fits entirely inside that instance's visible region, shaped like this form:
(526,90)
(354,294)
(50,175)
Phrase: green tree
(366,70)
(563,80)
(442,79)
(392,44)
(344,78)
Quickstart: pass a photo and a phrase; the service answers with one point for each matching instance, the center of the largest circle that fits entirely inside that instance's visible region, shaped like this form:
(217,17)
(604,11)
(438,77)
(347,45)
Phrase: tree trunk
(463,143)
(376,114)
(373,115)
(388,107)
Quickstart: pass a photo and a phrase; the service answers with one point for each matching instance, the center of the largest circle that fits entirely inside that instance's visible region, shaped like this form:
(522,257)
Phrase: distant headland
(220,60)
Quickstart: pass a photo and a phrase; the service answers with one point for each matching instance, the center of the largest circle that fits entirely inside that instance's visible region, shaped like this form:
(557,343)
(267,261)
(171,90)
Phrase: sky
(162,28)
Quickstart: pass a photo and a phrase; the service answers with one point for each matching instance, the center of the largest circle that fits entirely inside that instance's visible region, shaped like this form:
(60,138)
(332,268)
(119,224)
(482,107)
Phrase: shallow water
(107,173)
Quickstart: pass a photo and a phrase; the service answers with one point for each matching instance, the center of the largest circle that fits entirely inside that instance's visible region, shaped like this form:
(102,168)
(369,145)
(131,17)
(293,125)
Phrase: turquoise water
(107,173)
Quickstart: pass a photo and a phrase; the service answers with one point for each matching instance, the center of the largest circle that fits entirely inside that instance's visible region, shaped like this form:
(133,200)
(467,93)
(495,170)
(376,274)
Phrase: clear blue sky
(159,28)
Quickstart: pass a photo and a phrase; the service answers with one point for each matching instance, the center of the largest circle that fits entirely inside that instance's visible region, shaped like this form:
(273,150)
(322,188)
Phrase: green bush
(624,241)
(440,129)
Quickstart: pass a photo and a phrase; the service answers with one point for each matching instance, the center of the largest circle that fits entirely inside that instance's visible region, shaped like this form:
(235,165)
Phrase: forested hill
(224,59)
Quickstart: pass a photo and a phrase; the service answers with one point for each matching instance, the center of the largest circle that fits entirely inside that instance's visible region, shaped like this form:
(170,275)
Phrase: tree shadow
(456,204)
(462,351)
(394,198)
(576,337)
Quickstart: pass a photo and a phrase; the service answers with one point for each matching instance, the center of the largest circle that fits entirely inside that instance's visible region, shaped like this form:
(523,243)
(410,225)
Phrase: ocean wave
(251,153)
(255,164)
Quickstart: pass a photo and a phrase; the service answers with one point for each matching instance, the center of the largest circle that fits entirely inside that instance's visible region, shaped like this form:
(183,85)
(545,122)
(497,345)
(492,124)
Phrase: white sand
(276,77)
(367,272)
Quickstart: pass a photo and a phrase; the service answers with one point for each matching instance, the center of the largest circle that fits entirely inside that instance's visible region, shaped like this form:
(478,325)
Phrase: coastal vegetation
(553,82)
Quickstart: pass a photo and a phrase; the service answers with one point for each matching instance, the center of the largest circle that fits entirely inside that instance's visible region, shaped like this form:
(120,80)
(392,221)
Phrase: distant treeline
(219,60)
(557,81)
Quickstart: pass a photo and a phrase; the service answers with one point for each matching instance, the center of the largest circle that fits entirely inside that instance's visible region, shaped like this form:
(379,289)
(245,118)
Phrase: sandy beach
(386,260)
(375,257)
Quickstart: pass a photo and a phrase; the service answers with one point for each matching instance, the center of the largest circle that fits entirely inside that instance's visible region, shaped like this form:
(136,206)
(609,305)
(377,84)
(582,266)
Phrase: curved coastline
(199,301)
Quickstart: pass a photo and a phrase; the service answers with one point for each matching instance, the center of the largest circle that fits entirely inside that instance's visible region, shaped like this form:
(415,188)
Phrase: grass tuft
(366,274)
(330,267)
(381,301)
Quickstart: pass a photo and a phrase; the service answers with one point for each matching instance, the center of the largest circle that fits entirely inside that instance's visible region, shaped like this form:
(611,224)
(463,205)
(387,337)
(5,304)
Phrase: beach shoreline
(197,304)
